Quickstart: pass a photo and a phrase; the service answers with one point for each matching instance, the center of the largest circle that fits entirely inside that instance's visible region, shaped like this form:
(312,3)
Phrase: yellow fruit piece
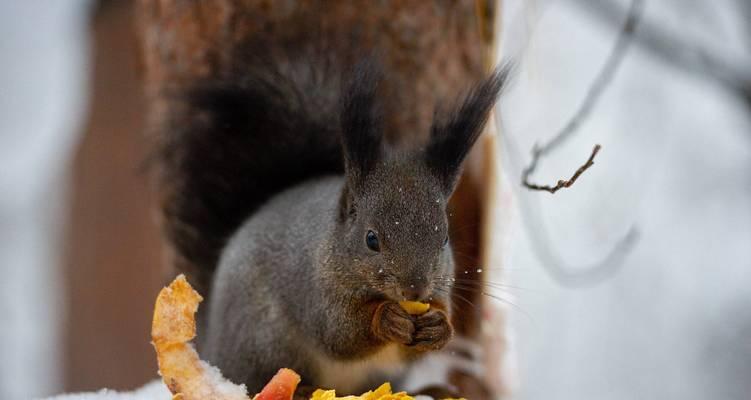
(414,307)
(321,394)
(382,393)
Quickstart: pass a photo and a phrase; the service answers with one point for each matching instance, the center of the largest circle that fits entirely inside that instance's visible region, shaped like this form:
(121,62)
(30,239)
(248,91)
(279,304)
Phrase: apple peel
(172,328)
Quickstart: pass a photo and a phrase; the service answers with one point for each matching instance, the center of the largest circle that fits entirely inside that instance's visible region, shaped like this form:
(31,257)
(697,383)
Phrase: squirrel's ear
(453,133)
(361,121)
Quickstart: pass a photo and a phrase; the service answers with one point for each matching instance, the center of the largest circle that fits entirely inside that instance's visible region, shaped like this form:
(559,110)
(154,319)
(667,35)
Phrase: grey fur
(293,281)
(297,286)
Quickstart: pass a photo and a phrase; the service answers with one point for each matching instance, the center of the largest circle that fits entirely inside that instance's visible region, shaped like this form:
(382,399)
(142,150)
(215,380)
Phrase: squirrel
(309,226)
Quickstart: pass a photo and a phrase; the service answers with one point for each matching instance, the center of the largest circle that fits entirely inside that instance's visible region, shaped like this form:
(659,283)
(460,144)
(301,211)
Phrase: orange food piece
(189,378)
(173,326)
(281,387)
(414,307)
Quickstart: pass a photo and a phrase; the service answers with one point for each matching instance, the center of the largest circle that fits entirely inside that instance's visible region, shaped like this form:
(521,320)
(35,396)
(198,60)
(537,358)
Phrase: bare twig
(572,275)
(561,183)
(593,94)
(563,272)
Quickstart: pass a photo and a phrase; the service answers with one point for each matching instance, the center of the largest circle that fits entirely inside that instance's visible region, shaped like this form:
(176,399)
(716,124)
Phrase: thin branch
(571,275)
(561,183)
(564,273)
(732,71)
(602,81)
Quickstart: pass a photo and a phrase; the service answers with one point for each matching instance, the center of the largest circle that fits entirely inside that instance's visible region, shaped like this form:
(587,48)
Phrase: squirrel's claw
(432,331)
(392,324)
(429,331)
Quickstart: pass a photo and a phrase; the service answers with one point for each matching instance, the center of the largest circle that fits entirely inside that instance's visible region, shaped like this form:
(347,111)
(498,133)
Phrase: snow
(227,389)
(154,390)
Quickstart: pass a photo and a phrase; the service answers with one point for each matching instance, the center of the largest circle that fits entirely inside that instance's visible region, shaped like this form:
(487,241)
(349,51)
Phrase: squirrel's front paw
(392,324)
(432,331)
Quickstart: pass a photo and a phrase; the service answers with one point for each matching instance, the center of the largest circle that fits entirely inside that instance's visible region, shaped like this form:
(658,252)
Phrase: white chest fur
(347,376)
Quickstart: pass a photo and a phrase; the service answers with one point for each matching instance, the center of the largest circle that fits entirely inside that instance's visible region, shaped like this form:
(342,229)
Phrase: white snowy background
(673,322)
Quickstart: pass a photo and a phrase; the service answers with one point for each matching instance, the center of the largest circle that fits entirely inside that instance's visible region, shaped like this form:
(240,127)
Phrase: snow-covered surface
(154,390)
(675,322)
(221,385)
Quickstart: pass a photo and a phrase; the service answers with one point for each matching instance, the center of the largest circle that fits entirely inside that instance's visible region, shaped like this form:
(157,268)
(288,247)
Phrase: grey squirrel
(308,225)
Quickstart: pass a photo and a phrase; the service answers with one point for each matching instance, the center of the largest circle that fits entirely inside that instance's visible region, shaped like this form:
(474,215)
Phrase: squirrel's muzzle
(415,292)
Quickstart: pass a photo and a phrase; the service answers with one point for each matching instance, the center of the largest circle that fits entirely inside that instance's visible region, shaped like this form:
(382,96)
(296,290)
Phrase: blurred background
(633,283)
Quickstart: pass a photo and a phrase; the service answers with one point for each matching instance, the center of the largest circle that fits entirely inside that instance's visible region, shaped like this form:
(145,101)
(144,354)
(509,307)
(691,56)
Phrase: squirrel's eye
(371,239)
(446,241)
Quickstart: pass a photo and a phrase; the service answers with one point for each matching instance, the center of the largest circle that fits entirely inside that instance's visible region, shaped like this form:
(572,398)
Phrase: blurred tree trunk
(113,261)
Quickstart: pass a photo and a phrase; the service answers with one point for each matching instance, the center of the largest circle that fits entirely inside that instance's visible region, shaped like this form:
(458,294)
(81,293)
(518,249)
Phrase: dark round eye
(371,239)
(446,241)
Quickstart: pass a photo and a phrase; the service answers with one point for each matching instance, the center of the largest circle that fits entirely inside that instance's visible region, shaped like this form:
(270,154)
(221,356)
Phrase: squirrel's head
(393,220)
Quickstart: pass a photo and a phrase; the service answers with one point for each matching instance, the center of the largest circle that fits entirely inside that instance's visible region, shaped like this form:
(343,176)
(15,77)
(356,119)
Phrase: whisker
(454,299)
(490,295)
(460,297)
(474,268)
(476,288)
(494,285)
(454,295)
(506,301)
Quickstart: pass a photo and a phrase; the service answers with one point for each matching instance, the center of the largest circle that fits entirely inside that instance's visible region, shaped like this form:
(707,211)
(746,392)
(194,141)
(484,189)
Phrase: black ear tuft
(361,121)
(453,134)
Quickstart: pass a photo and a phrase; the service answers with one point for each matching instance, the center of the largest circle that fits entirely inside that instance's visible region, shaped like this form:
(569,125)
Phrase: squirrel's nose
(415,292)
